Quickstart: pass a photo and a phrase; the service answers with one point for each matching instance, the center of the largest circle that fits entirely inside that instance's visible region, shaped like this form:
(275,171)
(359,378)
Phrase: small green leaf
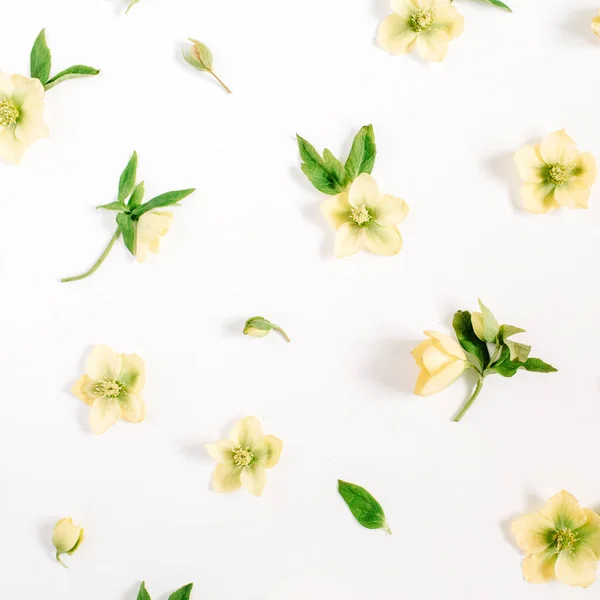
(131,5)
(40,61)
(127,180)
(315,168)
(507,331)
(201,52)
(366,510)
(335,168)
(167,199)
(128,230)
(490,325)
(536,365)
(71,73)
(113,206)
(137,196)
(467,338)
(500,4)
(182,593)
(143,593)
(362,155)
(518,352)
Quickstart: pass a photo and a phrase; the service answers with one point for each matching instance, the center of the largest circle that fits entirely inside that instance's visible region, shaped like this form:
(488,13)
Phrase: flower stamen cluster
(9,113)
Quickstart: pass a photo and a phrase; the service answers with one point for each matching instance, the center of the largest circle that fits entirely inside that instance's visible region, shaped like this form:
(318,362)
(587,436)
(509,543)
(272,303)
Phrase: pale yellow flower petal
(390,211)
(405,8)
(336,209)
(577,568)
(272,447)
(538,197)
(564,511)
(364,191)
(247,433)
(83,388)
(533,533)
(586,169)
(448,20)
(596,25)
(434,359)
(558,148)
(66,535)
(221,451)
(589,532)
(7,86)
(105,413)
(440,380)
(349,240)
(433,44)
(529,163)
(103,363)
(396,36)
(448,344)
(420,350)
(572,195)
(254,479)
(540,568)
(12,149)
(226,478)
(385,241)
(133,408)
(133,372)
(151,226)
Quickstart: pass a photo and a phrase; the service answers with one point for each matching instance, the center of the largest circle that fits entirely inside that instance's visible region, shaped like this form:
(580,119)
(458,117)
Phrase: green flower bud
(260,327)
(67,538)
(484,323)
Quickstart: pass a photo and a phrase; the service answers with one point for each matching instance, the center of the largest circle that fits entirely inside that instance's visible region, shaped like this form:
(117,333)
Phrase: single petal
(422,380)
(363,191)
(12,149)
(444,378)
(533,532)
(247,433)
(585,169)
(390,211)
(405,8)
(221,451)
(254,480)
(336,209)
(133,408)
(104,414)
(420,350)
(596,25)
(577,568)
(538,197)
(66,535)
(558,148)
(396,35)
(226,478)
(448,20)
(385,241)
(433,44)
(589,532)
(572,195)
(564,511)
(103,363)
(151,226)
(539,568)
(272,447)
(529,164)
(450,345)
(349,240)
(133,372)
(83,388)
(7,87)
(435,359)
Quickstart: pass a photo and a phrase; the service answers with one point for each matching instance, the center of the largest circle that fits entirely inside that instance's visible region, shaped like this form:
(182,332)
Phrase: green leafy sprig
(41,65)
(498,3)
(478,333)
(366,510)
(181,594)
(327,173)
(129,209)
(201,58)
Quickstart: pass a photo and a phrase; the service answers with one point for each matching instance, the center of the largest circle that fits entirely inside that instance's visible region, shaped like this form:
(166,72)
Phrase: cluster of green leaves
(366,510)
(129,205)
(181,594)
(327,173)
(41,64)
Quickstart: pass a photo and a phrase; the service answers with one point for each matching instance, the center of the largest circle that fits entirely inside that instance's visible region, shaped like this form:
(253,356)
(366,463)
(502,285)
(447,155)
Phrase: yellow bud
(478,326)
(67,538)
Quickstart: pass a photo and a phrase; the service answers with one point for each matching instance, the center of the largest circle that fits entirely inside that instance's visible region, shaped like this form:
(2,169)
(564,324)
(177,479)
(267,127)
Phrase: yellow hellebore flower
(67,538)
(21,118)
(441,360)
(562,542)
(244,458)
(596,24)
(365,219)
(151,226)
(555,174)
(428,25)
(112,386)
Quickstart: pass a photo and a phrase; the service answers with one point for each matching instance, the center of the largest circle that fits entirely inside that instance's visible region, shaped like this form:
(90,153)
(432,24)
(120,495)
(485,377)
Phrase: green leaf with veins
(518,352)
(167,199)
(40,61)
(143,593)
(127,180)
(366,510)
(182,593)
(362,154)
(137,196)
(468,340)
(325,178)
(71,73)
(113,206)
(500,4)
(127,228)
(335,167)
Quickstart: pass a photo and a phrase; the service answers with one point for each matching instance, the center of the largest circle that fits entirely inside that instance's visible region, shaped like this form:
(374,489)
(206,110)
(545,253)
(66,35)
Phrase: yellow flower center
(565,540)
(361,215)
(242,457)
(9,113)
(109,388)
(421,20)
(558,173)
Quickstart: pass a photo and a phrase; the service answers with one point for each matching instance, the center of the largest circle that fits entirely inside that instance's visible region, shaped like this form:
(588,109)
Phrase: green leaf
(113,206)
(362,155)
(202,54)
(131,5)
(71,73)
(500,4)
(507,331)
(366,510)
(167,199)
(40,60)
(127,180)
(536,365)
(518,352)
(467,338)
(182,593)
(335,167)
(137,196)
(316,170)
(143,593)
(128,230)
(490,325)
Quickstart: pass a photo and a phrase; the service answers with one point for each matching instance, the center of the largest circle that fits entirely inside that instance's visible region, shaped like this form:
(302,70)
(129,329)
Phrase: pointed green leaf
(71,73)
(467,338)
(40,60)
(127,180)
(518,352)
(335,168)
(536,365)
(131,5)
(500,4)
(366,510)
(127,228)
(314,167)
(143,593)
(507,331)
(362,155)
(182,593)
(137,196)
(113,206)
(161,201)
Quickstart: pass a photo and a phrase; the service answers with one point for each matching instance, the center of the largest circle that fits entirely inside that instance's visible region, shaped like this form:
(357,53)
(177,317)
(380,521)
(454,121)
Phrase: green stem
(219,80)
(108,248)
(469,403)
(59,559)
(282,332)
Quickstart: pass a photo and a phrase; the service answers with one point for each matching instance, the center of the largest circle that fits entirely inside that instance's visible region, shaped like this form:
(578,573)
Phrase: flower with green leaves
(362,217)
(67,537)
(181,594)
(201,58)
(22,101)
(483,345)
(260,327)
(140,224)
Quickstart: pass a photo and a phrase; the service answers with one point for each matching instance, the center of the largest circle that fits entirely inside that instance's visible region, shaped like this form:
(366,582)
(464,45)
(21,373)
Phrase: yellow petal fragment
(529,163)
(390,211)
(540,567)
(349,240)
(221,451)
(364,191)
(538,197)
(103,363)
(564,511)
(533,532)
(273,447)
(254,479)
(226,478)
(577,568)
(558,148)
(396,36)
(104,414)
(336,210)
(448,344)
(385,241)
(247,433)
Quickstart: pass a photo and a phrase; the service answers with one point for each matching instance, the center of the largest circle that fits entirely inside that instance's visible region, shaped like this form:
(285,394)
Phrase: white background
(250,241)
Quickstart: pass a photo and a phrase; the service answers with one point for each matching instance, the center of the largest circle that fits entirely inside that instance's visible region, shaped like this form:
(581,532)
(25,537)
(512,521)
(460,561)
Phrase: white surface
(252,241)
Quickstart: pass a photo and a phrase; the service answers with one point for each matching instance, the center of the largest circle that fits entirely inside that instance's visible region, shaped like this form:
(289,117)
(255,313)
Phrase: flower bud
(260,327)
(484,323)
(67,538)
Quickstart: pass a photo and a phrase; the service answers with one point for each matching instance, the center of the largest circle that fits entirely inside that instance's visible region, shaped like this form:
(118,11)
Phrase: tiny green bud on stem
(260,327)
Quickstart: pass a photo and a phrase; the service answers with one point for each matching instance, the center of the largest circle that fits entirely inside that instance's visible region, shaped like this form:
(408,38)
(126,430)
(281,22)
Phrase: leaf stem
(59,559)
(219,80)
(469,403)
(282,332)
(108,248)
